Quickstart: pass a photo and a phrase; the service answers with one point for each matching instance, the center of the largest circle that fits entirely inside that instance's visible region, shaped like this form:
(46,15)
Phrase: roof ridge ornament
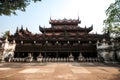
(21,27)
(92,25)
(78,18)
(17,30)
(27,29)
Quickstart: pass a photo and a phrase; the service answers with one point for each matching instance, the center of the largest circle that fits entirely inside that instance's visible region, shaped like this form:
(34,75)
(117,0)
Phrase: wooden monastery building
(64,39)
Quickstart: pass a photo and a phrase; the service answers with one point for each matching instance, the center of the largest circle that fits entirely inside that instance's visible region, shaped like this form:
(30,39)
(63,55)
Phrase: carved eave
(41,29)
(69,29)
(64,21)
(86,37)
(21,34)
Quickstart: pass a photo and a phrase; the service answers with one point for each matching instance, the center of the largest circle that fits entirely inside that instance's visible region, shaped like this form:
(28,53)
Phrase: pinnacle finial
(21,27)
(50,18)
(78,18)
(17,29)
(92,25)
(27,29)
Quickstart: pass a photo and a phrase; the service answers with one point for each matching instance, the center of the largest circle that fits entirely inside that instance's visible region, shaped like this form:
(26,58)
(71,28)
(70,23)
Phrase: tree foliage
(8,7)
(112,22)
(5,34)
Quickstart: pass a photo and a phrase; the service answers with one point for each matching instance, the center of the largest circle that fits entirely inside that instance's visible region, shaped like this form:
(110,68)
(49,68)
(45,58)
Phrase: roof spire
(21,27)
(17,30)
(92,26)
(27,29)
(78,18)
(50,18)
(39,28)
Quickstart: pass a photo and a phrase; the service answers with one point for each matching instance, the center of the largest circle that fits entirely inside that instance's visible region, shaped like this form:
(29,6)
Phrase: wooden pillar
(45,55)
(18,55)
(57,54)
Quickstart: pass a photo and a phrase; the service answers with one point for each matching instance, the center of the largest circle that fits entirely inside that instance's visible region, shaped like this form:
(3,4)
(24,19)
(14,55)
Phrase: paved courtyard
(59,71)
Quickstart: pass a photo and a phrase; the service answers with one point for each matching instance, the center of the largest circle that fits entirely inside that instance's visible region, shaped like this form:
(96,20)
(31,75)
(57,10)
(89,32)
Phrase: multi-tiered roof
(66,33)
(65,29)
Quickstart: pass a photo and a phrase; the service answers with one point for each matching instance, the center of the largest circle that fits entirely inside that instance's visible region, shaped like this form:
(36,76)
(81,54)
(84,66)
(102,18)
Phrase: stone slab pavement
(59,71)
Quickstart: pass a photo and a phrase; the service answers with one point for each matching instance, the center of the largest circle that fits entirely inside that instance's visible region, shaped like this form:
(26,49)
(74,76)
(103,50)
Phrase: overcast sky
(89,11)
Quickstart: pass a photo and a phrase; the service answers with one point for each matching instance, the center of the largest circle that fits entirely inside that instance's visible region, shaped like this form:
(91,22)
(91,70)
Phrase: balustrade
(49,59)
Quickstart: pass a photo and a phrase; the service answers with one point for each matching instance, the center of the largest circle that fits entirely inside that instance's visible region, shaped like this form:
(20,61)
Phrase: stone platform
(59,71)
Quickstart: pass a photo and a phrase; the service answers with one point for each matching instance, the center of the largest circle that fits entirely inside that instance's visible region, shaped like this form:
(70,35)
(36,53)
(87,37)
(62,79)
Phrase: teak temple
(64,41)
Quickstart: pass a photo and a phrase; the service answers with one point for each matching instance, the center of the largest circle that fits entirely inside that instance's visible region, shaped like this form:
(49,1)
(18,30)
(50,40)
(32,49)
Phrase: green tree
(8,7)
(112,22)
(5,34)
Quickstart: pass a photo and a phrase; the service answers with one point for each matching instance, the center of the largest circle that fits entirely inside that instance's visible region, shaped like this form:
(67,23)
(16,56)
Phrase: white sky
(89,11)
